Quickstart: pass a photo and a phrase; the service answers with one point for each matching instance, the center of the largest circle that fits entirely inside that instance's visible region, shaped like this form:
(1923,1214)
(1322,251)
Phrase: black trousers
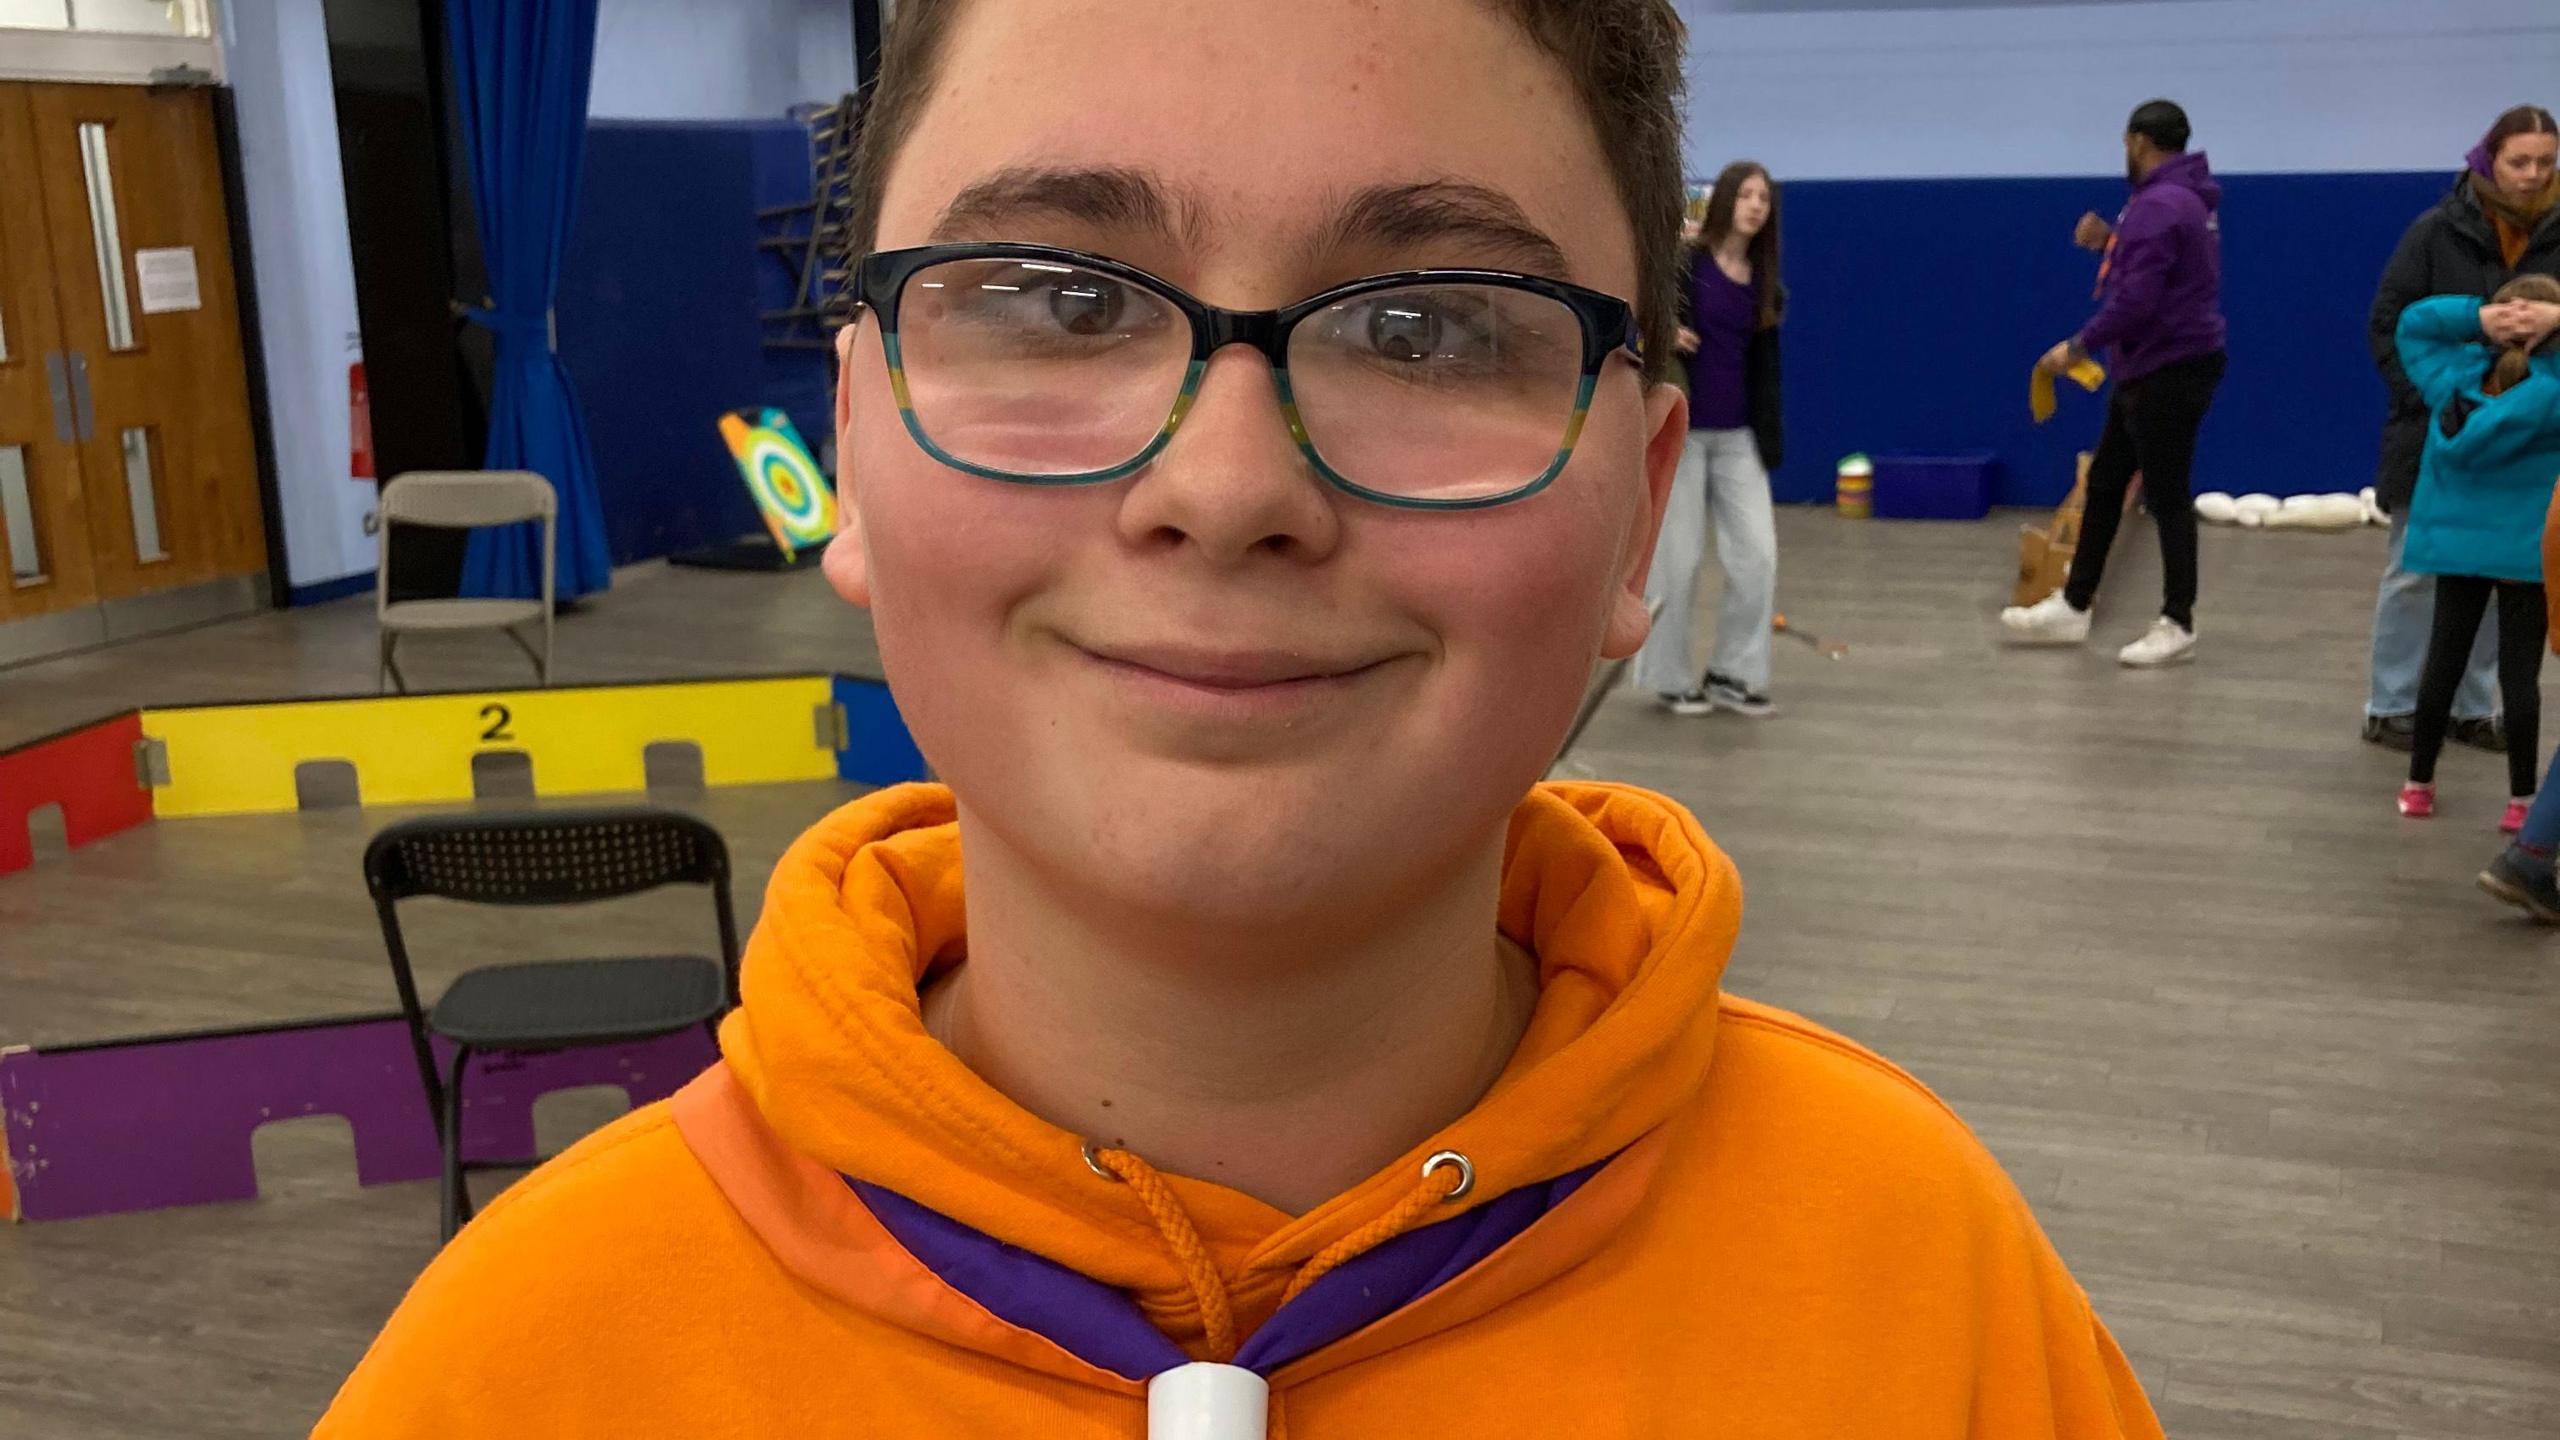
(2151,430)
(2461,600)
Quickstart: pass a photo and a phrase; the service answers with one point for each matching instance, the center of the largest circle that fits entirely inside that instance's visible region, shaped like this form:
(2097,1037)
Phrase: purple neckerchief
(1104,1328)
(2483,164)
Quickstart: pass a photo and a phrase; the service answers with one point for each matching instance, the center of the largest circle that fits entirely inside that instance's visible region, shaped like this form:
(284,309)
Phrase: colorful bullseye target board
(797,504)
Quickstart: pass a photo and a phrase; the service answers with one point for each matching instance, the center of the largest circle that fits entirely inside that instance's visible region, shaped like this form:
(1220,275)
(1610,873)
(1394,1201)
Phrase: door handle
(84,409)
(57,388)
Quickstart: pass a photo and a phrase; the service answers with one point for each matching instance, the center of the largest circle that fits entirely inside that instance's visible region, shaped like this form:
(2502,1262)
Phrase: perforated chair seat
(556,1004)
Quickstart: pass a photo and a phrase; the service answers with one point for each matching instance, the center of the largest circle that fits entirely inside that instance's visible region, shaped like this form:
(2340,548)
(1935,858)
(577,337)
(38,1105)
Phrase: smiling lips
(1237,672)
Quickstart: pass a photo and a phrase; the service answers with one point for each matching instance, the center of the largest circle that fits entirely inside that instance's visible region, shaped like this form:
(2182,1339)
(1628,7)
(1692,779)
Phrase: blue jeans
(2403,617)
(2542,822)
(1720,486)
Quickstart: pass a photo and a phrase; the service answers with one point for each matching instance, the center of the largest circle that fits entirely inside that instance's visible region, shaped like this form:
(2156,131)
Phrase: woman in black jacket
(2502,220)
(1730,307)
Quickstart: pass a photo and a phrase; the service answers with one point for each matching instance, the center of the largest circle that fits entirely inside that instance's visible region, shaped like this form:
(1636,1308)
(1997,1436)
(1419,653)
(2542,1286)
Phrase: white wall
(1874,88)
(132,17)
(278,53)
(719,59)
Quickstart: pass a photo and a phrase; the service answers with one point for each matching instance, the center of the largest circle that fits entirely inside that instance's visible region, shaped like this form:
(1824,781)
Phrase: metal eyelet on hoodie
(1093,1162)
(1466,1174)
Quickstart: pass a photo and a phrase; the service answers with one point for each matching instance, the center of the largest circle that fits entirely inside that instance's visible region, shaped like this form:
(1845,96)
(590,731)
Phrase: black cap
(2163,123)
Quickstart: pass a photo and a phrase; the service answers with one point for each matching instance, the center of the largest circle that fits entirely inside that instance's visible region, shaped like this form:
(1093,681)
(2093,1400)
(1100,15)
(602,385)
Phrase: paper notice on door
(168,280)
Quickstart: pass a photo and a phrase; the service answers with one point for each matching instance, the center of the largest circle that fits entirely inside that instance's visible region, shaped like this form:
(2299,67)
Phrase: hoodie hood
(1630,910)
(2189,171)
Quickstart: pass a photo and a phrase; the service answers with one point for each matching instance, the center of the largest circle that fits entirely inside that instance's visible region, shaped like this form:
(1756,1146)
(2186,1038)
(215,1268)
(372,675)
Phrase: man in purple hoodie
(2161,328)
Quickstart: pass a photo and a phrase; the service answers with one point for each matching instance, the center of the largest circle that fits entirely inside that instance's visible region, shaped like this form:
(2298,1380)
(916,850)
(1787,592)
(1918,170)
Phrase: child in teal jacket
(2491,378)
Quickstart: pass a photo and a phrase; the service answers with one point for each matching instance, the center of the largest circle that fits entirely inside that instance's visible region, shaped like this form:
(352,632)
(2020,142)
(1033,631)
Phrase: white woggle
(1208,1402)
(2216,508)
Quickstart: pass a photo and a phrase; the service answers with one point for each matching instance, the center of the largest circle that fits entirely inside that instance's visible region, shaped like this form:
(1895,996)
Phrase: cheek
(949,557)
(1520,598)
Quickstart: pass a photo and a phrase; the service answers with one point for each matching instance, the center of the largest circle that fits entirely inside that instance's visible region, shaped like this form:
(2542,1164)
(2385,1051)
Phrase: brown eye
(1400,332)
(1085,306)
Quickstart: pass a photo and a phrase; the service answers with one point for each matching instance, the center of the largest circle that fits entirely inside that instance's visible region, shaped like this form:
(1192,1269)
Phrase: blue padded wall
(659,298)
(1918,306)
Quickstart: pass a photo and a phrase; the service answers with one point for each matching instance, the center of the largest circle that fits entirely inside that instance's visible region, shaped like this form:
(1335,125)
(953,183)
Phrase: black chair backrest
(544,857)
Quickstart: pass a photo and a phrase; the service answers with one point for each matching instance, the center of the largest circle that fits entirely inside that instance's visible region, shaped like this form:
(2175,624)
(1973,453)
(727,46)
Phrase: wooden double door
(128,471)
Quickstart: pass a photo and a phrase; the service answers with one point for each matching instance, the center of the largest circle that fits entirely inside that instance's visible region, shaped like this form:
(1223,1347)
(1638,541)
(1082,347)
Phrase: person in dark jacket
(2161,323)
(2502,220)
(1730,309)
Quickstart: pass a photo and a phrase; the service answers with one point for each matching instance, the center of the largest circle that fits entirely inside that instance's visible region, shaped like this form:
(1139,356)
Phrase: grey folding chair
(464,500)
(559,857)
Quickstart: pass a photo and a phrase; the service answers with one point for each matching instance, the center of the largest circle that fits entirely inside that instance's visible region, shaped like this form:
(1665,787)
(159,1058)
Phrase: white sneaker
(2049,621)
(2168,643)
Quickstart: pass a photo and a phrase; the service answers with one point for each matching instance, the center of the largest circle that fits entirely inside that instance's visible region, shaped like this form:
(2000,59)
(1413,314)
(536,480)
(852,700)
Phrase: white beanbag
(2255,510)
(2318,512)
(2215,508)
(2373,507)
(2342,512)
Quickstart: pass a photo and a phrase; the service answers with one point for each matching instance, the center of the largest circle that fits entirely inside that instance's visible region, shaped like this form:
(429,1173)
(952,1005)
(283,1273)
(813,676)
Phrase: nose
(1232,484)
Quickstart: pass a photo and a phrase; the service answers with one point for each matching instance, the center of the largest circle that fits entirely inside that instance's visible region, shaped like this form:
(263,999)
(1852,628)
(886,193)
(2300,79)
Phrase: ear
(1630,620)
(848,568)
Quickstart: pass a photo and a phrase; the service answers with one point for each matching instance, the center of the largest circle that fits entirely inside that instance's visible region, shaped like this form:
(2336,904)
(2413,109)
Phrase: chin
(1245,849)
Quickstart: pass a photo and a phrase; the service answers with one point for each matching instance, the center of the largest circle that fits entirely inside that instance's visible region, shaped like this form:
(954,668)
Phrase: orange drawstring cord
(1437,1187)
(1182,1239)
(1446,1177)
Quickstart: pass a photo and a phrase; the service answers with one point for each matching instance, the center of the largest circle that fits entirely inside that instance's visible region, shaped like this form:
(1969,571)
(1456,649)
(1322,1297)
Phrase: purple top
(1103,1327)
(1724,312)
(2164,273)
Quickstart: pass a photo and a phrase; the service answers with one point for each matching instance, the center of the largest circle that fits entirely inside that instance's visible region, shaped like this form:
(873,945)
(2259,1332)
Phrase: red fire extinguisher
(359,424)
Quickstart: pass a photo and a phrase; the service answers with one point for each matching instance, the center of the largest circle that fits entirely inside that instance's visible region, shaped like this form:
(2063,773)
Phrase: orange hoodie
(1689,1215)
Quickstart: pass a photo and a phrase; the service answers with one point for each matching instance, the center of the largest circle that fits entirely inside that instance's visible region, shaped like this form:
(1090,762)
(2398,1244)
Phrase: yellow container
(1855,491)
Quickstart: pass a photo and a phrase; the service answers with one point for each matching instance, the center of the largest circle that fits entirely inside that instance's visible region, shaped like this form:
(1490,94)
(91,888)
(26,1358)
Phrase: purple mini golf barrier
(162,1121)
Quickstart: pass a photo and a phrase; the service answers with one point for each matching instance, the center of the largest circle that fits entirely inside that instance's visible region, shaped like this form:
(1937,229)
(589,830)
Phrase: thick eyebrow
(1116,197)
(1398,216)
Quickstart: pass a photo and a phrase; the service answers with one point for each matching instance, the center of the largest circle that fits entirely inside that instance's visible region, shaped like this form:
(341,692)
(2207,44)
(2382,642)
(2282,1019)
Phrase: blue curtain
(521,69)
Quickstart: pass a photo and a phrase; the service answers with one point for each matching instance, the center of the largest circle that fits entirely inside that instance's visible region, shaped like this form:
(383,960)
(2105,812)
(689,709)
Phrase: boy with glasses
(1251,438)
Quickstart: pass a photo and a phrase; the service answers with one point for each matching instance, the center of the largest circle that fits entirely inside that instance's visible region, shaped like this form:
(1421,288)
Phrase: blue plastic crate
(1934,487)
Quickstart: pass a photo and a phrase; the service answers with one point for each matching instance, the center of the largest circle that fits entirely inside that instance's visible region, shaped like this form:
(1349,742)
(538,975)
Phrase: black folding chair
(554,858)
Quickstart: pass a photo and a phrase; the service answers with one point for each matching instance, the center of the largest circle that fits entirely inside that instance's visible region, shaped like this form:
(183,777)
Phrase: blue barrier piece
(877,749)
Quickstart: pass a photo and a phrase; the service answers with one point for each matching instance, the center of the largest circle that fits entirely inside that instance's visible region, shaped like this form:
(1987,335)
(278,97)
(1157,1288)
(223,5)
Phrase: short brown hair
(1624,58)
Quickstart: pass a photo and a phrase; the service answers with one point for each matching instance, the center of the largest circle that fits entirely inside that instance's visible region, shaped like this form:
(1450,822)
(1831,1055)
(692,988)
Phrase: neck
(1288,1062)
(1734,248)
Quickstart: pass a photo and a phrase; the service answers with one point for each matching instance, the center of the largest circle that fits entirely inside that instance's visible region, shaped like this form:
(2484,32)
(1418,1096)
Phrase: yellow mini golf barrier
(420,749)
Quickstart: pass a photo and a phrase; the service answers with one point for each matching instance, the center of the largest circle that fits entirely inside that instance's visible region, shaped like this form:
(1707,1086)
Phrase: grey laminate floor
(2285,1090)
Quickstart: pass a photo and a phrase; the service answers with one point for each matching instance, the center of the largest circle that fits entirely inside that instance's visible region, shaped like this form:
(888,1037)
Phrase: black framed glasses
(1425,389)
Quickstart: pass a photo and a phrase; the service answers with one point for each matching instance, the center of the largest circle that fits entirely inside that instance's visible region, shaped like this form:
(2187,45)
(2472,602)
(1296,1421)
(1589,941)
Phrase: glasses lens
(1038,369)
(1439,392)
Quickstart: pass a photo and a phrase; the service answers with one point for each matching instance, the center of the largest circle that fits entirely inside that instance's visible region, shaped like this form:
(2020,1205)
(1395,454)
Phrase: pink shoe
(2515,815)
(2417,801)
